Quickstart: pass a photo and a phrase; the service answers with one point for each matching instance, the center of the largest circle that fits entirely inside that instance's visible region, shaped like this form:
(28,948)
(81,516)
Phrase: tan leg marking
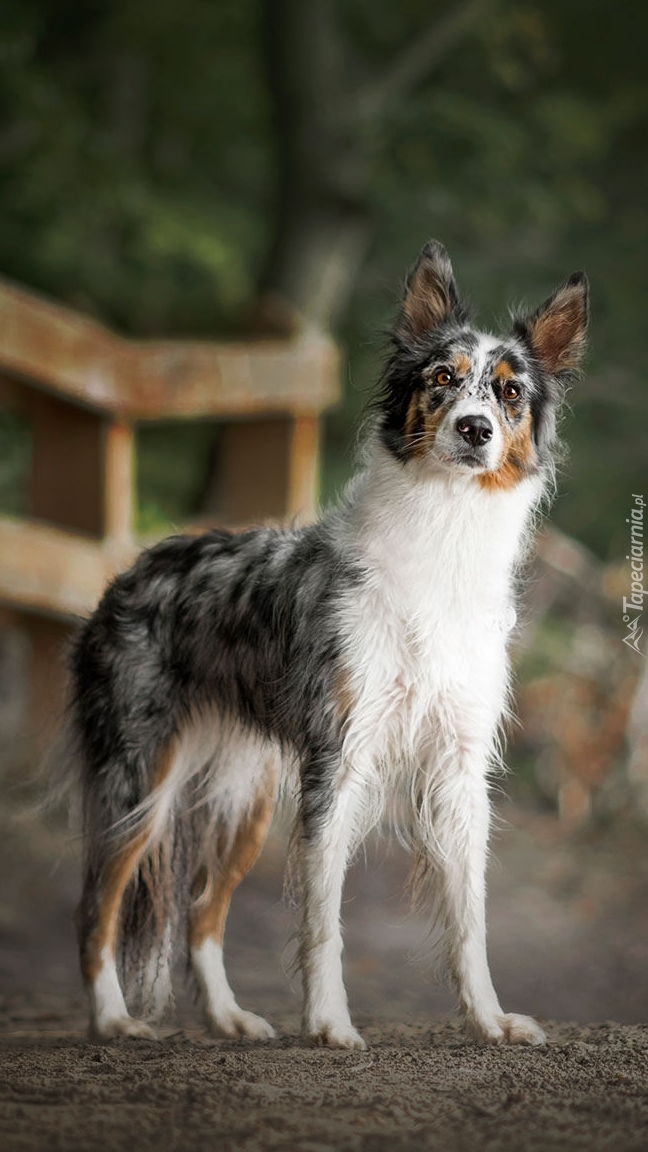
(209,913)
(103,934)
(98,913)
(217,881)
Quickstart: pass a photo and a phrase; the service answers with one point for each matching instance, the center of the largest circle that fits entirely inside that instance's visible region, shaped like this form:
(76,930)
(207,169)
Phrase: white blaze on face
(475,397)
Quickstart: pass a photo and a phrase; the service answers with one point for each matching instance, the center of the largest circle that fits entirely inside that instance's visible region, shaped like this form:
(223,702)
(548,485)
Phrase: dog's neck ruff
(439,546)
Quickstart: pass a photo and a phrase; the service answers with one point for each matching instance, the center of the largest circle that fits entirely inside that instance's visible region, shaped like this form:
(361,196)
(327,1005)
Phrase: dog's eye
(511,392)
(443,376)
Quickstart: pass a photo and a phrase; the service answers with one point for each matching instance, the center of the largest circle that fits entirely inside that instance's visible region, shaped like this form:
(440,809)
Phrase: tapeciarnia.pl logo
(632,617)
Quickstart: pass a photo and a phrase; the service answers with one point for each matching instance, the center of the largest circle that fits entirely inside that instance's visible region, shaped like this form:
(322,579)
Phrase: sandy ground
(569,942)
(415,1087)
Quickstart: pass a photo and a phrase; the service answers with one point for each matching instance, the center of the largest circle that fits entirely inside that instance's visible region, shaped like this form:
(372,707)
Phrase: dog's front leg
(324,853)
(459,838)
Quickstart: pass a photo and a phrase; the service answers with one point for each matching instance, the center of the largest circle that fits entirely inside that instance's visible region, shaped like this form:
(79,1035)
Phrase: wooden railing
(83,389)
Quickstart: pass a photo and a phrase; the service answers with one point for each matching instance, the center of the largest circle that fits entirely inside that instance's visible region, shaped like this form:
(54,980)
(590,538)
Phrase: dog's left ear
(430,294)
(556,332)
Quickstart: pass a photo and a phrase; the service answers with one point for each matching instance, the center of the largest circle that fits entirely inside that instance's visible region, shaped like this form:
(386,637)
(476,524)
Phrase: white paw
(509,1028)
(113,1029)
(335,1034)
(237,1023)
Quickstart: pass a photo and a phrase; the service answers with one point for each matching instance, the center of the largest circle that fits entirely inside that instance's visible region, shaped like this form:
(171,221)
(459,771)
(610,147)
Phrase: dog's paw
(509,1028)
(521,1029)
(336,1034)
(121,1027)
(236,1024)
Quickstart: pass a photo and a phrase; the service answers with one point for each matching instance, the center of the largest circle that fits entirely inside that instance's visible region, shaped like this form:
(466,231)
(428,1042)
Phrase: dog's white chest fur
(426,641)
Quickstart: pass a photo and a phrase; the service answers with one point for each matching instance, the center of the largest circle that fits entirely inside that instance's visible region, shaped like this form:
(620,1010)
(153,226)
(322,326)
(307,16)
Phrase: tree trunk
(329,124)
(323,163)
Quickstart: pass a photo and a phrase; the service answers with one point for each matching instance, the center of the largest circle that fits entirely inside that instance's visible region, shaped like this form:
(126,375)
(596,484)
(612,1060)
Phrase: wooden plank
(119,482)
(303,468)
(193,379)
(72,356)
(56,347)
(66,482)
(82,474)
(48,570)
(253,471)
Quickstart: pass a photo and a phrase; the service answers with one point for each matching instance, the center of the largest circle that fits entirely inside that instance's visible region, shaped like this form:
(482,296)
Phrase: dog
(358,663)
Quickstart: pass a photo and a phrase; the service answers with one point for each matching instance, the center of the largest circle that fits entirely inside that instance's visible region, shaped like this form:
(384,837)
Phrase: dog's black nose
(477,430)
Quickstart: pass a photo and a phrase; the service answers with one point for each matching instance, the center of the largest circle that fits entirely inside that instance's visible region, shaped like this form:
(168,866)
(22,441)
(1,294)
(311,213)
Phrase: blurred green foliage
(173,461)
(137,164)
(15,461)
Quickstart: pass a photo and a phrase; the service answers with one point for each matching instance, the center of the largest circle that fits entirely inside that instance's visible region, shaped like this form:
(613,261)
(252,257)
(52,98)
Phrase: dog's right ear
(430,294)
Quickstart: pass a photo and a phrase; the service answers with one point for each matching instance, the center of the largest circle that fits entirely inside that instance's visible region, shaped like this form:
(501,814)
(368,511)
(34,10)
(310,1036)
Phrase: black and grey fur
(239,623)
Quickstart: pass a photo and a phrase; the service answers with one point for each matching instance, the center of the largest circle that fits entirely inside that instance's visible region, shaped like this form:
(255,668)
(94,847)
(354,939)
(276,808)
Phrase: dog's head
(460,400)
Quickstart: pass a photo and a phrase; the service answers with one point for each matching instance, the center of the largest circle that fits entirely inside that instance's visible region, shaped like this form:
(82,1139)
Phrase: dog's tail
(136,817)
(168,819)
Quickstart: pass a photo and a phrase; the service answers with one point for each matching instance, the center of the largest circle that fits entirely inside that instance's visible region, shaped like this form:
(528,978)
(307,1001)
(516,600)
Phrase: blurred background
(236,190)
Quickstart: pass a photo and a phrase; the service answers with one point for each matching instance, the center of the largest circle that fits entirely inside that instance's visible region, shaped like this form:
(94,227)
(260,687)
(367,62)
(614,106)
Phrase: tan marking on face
(460,364)
(432,422)
(218,881)
(420,427)
(98,927)
(414,426)
(518,458)
(503,371)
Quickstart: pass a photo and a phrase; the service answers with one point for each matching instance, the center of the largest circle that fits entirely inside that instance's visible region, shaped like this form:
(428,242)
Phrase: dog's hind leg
(236,855)
(112,864)
(97,921)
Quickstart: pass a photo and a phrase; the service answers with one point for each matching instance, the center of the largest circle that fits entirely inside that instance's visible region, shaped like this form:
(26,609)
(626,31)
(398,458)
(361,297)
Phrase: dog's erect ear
(430,294)
(556,332)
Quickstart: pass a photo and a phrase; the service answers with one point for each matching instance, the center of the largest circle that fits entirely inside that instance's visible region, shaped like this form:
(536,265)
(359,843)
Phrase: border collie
(358,664)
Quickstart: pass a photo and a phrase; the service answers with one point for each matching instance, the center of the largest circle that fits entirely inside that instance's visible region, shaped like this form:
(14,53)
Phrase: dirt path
(413,1088)
(569,940)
